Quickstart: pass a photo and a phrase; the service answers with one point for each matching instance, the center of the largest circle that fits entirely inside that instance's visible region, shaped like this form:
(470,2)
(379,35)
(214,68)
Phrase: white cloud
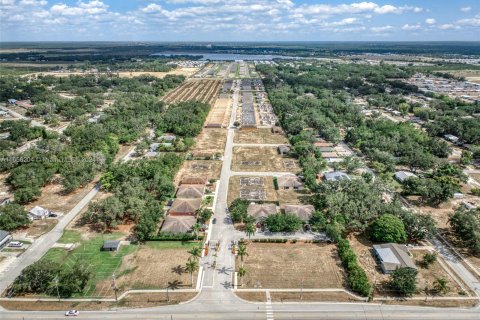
(82,8)
(411,27)
(471,22)
(381,29)
(448,26)
(361,7)
(466,9)
(430,21)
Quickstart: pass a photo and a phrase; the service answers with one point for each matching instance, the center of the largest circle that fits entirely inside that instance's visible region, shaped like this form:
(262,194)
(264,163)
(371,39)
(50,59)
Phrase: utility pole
(114,286)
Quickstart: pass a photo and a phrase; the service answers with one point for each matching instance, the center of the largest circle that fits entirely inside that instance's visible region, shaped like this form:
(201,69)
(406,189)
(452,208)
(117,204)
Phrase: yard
(298,265)
(258,136)
(154,265)
(265,188)
(210,140)
(200,90)
(258,159)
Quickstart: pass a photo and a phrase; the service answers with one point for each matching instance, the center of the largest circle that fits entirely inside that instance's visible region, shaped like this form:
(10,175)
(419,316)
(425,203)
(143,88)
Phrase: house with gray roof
(336,176)
(391,256)
(401,176)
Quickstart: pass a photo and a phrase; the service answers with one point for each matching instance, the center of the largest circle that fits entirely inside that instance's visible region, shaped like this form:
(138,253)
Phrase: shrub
(428,259)
(388,228)
(404,281)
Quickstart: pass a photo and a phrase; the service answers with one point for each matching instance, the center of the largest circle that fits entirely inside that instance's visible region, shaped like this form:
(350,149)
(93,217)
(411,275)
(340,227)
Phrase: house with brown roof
(391,256)
(190,191)
(289,182)
(261,211)
(193,180)
(178,224)
(303,211)
(185,207)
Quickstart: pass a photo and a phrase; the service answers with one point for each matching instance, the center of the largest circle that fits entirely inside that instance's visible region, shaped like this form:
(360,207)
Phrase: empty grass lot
(103,264)
(258,159)
(259,135)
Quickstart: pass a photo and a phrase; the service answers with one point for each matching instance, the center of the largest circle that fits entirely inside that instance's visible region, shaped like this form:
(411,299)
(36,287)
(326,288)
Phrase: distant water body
(225,56)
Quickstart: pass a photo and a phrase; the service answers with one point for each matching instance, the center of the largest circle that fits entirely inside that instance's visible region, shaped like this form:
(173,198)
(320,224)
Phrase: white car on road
(72,313)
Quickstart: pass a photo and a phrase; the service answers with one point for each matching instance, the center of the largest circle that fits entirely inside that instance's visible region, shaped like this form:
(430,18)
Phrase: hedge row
(175,237)
(271,240)
(356,278)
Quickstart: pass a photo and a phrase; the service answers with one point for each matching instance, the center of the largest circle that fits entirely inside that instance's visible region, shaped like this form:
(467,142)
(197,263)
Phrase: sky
(239,20)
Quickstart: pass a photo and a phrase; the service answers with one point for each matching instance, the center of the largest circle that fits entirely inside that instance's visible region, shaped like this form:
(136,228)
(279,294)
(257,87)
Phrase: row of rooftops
(260,211)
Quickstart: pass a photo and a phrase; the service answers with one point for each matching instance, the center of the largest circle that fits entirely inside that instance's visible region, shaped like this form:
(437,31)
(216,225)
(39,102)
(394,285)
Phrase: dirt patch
(38,227)
(151,267)
(435,303)
(426,277)
(267,189)
(252,296)
(205,90)
(311,296)
(210,141)
(259,135)
(293,197)
(296,265)
(209,169)
(259,159)
(220,112)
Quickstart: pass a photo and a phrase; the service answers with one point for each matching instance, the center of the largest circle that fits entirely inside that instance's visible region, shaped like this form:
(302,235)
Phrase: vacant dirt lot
(259,135)
(235,186)
(311,296)
(154,266)
(199,90)
(187,72)
(289,265)
(209,169)
(426,276)
(258,159)
(220,112)
(292,197)
(210,140)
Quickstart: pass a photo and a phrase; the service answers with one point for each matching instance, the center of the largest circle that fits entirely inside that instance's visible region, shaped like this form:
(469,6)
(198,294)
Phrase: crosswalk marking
(268,306)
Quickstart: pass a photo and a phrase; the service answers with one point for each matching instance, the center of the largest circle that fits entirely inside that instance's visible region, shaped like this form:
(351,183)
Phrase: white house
(38,213)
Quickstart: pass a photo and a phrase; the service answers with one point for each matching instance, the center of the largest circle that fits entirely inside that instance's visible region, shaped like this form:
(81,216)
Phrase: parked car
(15,244)
(72,313)
(53,215)
(214,220)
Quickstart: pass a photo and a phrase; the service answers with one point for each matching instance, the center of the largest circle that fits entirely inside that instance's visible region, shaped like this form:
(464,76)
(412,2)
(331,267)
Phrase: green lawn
(172,244)
(103,264)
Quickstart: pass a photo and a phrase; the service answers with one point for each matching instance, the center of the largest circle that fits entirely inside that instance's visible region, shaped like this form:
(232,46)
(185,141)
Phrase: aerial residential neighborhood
(323,163)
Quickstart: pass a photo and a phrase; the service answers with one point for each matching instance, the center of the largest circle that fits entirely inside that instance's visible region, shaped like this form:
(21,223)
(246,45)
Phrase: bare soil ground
(252,296)
(259,135)
(311,296)
(235,186)
(258,159)
(4,187)
(211,140)
(39,227)
(460,247)
(271,265)
(143,300)
(292,197)
(205,90)
(435,303)
(153,266)
(187,72)
(220,112)
(427,276)
(209,169)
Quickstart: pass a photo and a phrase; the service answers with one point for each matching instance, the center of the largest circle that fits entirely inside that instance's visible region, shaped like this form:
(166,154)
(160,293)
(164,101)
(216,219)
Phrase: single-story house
(289,181)
(5,200)
(38,213)
(193,180)
(5,238)
(168,137)
(392,256)
(284,150)
(111,245)
(191,191)
(336,176)
(261,211)
(403,175)
(178,224)
(185,207)
(303,211)
(12,101)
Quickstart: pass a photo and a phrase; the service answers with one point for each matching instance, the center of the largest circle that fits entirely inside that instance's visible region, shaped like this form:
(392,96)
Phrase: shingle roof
(190,191)
(111,244)
(185,206)
(289,181)
(259,211)
(178,224)
(303,211)
(393,255)
(3,234)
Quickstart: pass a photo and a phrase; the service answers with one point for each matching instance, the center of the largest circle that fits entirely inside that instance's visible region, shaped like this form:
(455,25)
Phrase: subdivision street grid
(216,286)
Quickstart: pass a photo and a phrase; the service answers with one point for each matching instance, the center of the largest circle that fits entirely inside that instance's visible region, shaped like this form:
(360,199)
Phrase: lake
(225,56)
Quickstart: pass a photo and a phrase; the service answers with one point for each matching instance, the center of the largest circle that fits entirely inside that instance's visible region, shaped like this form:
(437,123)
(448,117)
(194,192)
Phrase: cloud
(361,7)
(381,29)
(466,9)
(448,26)
(410,27)
(82,8)
(471,22)
(430,21)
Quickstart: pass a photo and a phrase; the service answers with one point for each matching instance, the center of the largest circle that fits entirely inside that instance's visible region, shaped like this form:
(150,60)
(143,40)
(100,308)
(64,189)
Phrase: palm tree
(242,251)
(196,228)
(241,273)
(250,230)
(441,285)
(191,266)
(195,252)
